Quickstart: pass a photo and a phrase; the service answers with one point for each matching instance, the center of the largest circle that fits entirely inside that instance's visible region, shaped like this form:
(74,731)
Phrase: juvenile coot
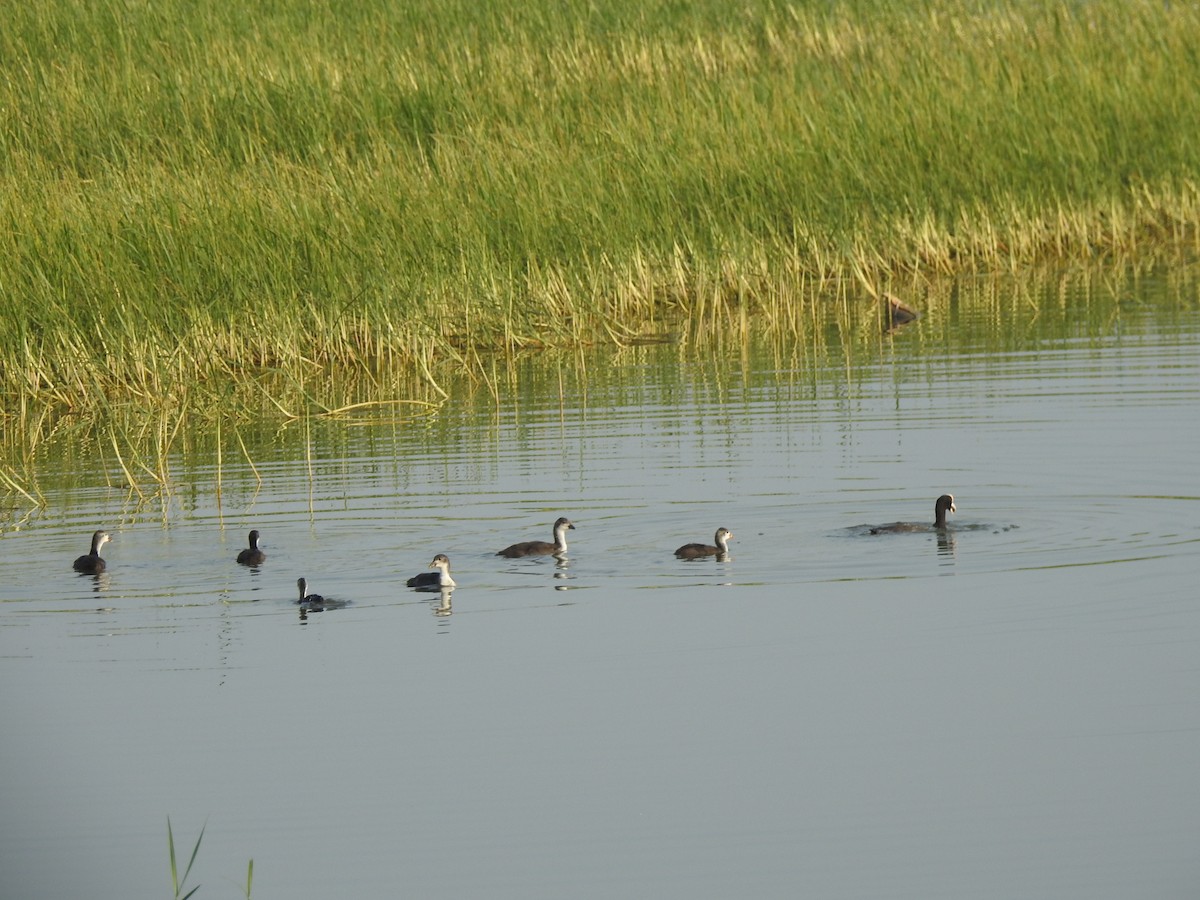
(91,563)
(308,599)
(252,556)
(944,504)
(542,548)
(439,580)
(698,551)
(315,602)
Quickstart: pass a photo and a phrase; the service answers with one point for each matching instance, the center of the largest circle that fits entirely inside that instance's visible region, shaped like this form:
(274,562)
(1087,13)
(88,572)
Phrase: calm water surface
(1011,709)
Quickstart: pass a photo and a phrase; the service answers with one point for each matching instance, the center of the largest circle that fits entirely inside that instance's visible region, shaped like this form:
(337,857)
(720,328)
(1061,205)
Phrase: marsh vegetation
(222,212)
(836,343)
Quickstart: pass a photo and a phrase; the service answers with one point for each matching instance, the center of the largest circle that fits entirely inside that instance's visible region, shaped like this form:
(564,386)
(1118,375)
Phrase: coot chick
(944,504)
(542,548)
(699,551)
(439,580)
(91,563)
(252,556)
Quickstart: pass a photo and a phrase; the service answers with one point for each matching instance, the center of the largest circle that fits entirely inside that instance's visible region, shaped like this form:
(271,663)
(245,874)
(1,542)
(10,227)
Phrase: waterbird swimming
(542,548)
(252,556)
(91,563)
(437,580)
(699,551)
(306,598)
(943,505)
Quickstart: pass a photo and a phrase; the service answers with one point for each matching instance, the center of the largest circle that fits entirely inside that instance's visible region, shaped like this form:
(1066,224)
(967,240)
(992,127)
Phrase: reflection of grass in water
(150,449)
(209,209)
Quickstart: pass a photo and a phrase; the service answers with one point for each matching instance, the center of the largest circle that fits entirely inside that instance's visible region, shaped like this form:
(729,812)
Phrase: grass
(224,209)
(179,883)
(801,346)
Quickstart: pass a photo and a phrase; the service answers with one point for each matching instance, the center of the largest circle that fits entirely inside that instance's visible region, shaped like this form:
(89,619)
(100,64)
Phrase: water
(1005,710)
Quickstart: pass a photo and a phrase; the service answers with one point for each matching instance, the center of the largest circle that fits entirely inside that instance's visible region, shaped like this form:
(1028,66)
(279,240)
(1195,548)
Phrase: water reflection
(946,543)
(101,581)
(327,605)
(561,566)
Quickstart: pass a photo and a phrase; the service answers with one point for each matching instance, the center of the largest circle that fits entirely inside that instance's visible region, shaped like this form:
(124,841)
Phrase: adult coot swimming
(944,504)
(252,556)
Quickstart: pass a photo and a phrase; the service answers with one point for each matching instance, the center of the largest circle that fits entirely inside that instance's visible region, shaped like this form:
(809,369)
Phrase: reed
(212,207)
(799,343)
(179,883)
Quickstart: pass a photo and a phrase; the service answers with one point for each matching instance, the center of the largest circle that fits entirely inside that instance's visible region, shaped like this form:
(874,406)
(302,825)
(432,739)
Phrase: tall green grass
(206,202)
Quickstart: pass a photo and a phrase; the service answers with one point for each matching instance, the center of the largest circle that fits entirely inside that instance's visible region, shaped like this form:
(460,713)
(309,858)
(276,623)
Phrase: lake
(1004,709)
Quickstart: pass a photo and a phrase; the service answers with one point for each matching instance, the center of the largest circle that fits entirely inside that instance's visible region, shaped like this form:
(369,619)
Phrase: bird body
(91,563)
(252,556)
(943,505)
(699,551)
(437,580)
(306,598)
(541,548)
